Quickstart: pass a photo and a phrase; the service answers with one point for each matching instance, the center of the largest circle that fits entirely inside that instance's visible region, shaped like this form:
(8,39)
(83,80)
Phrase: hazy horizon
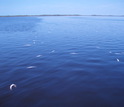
(60,15)
(81,7)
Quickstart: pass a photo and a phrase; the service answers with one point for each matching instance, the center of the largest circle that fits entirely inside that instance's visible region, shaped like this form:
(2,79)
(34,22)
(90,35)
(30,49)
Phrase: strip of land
(60,15)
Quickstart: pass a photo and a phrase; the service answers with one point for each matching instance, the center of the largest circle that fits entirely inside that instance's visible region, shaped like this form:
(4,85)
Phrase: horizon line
(59,15)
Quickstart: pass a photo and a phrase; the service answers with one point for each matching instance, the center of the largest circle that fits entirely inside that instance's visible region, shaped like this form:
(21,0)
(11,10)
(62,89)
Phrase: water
(62,61)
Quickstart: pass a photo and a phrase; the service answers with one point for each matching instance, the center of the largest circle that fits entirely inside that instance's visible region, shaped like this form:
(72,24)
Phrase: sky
(82,7)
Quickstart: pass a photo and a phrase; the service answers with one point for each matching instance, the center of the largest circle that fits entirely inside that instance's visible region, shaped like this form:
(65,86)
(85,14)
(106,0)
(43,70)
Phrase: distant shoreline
(60,15)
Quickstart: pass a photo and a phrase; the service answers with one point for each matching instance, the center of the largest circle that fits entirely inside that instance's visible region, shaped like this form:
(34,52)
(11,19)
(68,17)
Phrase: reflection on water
(62,61)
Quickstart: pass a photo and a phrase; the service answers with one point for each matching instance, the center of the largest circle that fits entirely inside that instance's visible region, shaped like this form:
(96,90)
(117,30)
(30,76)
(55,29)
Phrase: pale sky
(83,7)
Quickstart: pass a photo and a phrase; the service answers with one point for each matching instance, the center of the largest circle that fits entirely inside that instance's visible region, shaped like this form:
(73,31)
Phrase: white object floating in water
(30,67)
(117,53)
(27,45)
(110,51)
(73,53)
(97,47)
(118,60)
(34,41)
(11,86)
(38,55)
(52,51)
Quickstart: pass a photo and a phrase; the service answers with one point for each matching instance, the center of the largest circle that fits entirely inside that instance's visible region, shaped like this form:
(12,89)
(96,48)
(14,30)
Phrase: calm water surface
(62,61)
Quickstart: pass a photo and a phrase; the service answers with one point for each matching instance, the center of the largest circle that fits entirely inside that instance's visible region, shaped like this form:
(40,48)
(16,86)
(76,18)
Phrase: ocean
(62,61)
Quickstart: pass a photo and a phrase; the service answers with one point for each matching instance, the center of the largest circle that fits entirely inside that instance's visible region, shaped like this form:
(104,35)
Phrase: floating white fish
(30,67)
(11,86)
(118,60)
(74,53)
(110,51)
(117,53)
(27,45)
(38,55)
(52,51)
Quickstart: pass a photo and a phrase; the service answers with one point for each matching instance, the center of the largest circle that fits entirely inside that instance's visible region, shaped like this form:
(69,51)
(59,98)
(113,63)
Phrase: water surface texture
(62,61)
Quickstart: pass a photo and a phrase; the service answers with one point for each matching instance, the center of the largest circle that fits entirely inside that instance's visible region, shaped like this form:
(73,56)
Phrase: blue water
(62,61)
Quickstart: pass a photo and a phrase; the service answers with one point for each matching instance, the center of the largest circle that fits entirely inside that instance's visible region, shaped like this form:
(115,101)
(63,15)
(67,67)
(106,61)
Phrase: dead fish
(27,45)
(118,60)
(110,51)
(117,53)
(73,53)
(11,86)
(30,67)
(38,55)
(53,51)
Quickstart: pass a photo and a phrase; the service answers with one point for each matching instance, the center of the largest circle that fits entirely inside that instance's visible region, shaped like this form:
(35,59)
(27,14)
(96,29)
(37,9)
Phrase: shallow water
(62,61)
